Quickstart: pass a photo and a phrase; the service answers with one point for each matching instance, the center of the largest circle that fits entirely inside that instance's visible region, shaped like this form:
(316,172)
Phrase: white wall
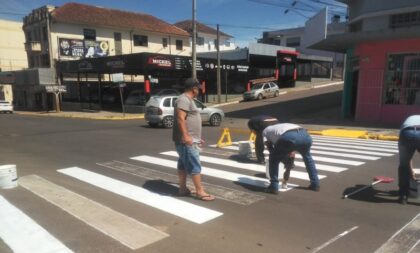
(60,30)
(12,46)
(209,45)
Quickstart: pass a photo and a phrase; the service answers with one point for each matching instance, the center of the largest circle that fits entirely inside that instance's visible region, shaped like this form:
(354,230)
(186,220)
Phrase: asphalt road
(242,219)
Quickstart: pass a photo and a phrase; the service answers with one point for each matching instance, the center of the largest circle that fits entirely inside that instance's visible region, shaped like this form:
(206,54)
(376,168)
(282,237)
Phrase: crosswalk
(332,156)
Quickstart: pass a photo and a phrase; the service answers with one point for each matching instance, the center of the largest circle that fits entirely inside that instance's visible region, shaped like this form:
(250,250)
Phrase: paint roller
(376,180)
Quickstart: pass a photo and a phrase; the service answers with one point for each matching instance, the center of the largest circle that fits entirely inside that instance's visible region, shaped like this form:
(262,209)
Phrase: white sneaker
(284,185)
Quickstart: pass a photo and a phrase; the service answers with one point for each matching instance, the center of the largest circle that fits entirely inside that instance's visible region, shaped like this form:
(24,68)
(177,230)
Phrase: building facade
(207,37)
(75,31)
(382,43)
(293,37)
(12,46)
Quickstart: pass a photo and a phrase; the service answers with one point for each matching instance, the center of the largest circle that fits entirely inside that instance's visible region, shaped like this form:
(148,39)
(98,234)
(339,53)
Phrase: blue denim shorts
(189,158)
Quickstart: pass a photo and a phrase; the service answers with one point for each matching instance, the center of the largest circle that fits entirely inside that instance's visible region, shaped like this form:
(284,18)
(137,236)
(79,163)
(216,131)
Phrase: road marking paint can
(8,176)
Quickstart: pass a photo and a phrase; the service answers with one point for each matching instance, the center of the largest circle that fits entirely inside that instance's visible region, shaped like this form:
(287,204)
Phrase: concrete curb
(82,117)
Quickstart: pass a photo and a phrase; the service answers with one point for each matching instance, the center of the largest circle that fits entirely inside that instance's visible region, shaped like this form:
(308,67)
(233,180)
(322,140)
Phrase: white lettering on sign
(161,62)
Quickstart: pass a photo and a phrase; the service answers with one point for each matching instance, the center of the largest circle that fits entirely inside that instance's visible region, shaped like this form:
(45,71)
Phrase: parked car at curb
(262,90)
(160,111)
(6,106)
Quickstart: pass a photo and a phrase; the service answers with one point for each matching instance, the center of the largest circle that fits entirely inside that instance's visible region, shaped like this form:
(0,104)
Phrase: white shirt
(273,133)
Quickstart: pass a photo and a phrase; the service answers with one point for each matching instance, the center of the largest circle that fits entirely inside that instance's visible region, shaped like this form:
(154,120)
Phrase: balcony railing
(33,46)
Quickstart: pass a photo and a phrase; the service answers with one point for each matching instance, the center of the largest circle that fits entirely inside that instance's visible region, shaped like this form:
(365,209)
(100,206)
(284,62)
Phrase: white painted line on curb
(118,226)
(326,85)
(23,235)
(235,177)
(404,239)
(167,204)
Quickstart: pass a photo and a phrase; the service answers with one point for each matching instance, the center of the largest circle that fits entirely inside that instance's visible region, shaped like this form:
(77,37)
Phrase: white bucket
(267,169)
(245,149)
(8,176)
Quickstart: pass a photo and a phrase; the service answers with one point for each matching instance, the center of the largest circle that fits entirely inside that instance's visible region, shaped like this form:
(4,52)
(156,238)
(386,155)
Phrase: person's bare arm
(182,125)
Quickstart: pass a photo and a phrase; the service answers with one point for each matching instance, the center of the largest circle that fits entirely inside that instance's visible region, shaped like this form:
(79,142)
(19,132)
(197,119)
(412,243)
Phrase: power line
(297,8)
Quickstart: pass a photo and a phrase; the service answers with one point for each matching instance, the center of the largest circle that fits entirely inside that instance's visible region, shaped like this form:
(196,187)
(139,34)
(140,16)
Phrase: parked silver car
(262,90)
(160,111)
(6,106)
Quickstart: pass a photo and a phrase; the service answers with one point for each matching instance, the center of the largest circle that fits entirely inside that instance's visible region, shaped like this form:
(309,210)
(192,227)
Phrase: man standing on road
(408,143)
(187,137)
(257,124)
(281,139)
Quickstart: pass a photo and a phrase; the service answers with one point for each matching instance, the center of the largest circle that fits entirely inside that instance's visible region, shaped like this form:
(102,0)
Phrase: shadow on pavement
(373,195)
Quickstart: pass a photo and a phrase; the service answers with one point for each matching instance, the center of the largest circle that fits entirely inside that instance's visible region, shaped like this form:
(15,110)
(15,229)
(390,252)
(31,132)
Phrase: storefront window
(402,79)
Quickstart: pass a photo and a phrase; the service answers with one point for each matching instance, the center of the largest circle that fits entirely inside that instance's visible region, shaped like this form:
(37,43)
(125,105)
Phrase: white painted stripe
(317,158)
(329,168)
(356,143)
(390,143)
(326,85)
(240,178)
(414,247)
(228,194)
(167,204)
(245,166)
(363,157)
(315,147)
(317,249)
(23,235)
(356,147)
(122,228)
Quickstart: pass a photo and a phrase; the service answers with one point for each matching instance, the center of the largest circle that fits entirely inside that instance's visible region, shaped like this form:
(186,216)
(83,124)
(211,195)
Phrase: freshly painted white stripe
(301,164)
(315,147)
(118,226)
(332,160)
(317,249)
(23,235)
(390,143)
(245,166)
(363,157)
(355,147)
(240,178)
(356,143)
(167,204)
(329,168)
(317,158)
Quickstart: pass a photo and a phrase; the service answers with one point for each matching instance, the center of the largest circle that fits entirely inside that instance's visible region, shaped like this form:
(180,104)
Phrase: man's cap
(191,83)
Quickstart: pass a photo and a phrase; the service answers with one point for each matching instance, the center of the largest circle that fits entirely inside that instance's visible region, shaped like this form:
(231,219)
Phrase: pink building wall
(373,66)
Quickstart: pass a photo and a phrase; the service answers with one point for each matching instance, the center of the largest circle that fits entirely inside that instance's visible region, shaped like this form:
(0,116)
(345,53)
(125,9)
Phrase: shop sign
(160,61)
(83,48)
(118,77)
(118,64)
(55,88)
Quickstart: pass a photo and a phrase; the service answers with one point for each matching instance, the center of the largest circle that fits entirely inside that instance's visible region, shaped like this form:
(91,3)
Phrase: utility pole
(219,87)
(194,37)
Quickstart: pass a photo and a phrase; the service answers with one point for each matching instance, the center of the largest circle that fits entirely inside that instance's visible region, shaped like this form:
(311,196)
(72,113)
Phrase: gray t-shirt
(193,120)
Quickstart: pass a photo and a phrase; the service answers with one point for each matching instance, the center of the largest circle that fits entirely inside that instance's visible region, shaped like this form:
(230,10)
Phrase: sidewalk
(101,115)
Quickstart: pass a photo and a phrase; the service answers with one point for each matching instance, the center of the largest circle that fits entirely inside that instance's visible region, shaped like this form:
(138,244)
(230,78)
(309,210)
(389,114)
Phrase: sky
(245,20)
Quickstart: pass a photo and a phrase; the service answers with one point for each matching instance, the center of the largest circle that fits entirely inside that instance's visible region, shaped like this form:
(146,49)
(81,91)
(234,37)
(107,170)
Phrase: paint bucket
(245,149)
(414,190)
(8,176)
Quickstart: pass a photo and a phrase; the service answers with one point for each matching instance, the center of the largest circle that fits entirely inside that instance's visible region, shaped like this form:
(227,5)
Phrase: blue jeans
(294,140)
(188,158)
(408,142)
